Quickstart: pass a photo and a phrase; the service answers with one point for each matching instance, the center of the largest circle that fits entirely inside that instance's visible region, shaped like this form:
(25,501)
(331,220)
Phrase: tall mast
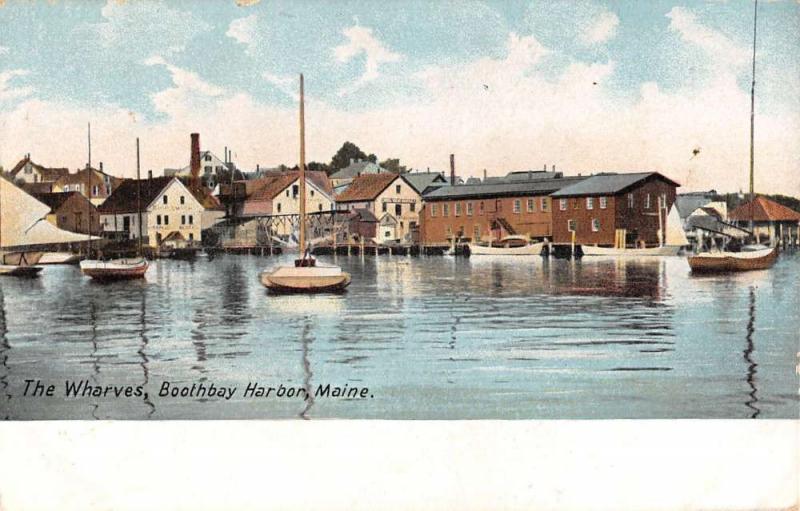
(753,113)
(89,136)
(302,172)
(139,197)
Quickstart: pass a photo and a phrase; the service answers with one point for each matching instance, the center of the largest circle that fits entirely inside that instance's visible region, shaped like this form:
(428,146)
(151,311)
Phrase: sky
(585,85)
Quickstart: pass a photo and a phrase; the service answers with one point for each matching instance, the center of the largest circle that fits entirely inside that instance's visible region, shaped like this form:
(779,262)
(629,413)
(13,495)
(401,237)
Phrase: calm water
(430,337)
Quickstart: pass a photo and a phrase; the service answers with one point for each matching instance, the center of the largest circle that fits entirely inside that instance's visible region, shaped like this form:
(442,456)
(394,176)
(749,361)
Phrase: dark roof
(356,169)
(608,184)
(33,188)
(502,188)
(364,215)
(420,181)
(687,203)
(203,195)
(55,200)
(527,175)
(123,198)
(712,224)
(48,173)
(764,210)
(367,187)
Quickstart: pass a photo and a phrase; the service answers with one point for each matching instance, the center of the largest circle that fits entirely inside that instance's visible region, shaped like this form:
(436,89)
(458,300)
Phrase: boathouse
(611,209)
(771,221)
(517,204)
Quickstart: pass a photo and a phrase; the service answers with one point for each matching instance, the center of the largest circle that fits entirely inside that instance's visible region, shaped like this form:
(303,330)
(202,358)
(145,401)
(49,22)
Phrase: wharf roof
(608,184)
(765,210)
(503,188)
(367,187)
(55,200)
(123,198)
(48,173)
(420,181)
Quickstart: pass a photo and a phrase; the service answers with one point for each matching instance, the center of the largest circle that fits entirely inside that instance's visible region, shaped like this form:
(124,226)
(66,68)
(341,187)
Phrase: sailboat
(306,276)
(671,242)
(752,257)
(121,269)
(23,227)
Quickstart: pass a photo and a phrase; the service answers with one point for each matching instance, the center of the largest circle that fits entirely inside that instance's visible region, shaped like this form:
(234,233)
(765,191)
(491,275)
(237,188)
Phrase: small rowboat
(510,245)
(115,269)
(589,250)
(306,277)
(710,262)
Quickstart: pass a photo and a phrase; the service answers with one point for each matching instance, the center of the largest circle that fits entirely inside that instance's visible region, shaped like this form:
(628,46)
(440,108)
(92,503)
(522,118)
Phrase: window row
(572,225)
(602,202)
(458,208)
(185,220)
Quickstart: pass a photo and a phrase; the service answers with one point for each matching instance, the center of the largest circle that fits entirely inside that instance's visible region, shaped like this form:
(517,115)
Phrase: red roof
(366,187)
(267,187)
(765,210)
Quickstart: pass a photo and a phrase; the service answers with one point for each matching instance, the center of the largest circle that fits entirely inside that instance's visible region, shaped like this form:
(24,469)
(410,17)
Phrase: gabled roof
(355,169)
(420,181)
(81,175)
(273,183)
(203,195)
(765,210)
(364,215)
(55,200)
(608,184)
(48,173)
(34,188)
(123,198)
(687,203)
(502,188)
(367,187)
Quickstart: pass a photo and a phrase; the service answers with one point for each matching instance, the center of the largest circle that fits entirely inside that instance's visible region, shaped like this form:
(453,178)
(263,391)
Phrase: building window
(480,208)
(384,207)
(191,236)
(413,207)
(397,189)
(312,193)
(279,207)
(183,219)
(589,202)
(398,209)
(458,209)
(517,205)
(207,157)
(387,234)
(95,190)
(158,219)
(531,205)
(446,210)
(630,200)
(191,219)
(603,202)
(183,199)
(287,192)
(165,199)
(320,207)
(647,201)
(595,225)
(545,204)
(476,233)
(663,201)
(571,225)
(166,219)
(449,231)
(562,204)
(433,210)
(469,208)
(207,169)
(295,191)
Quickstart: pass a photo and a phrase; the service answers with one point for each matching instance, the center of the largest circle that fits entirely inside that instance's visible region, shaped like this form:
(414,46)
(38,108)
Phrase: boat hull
(19,271)
(533,249)
(305,280)
(590,250)
(114,270)
(59,258)
(711,262)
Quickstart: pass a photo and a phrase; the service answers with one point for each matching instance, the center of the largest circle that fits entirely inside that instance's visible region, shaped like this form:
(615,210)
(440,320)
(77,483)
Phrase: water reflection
(142,347)
(94,358)
(4,348)
(305,343)
(748,356)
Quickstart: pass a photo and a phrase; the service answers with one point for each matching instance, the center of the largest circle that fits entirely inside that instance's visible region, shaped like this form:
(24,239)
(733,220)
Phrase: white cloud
(7,92)
(603,28)
(720,49)
(243,30)
(360,40)
(4,50)
(189,91)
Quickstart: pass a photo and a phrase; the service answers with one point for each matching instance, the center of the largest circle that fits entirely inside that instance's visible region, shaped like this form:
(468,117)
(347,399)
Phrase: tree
(348,151)
(318,166)
(393,165)
(372,158)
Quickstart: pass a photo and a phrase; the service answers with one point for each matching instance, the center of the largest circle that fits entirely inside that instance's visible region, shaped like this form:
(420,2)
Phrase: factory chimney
(452,170)
(195,160)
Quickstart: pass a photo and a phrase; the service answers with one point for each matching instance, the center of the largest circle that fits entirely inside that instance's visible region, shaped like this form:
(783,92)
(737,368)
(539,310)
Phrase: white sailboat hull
(533,249)
(58,258)
(115,269)
(589,250)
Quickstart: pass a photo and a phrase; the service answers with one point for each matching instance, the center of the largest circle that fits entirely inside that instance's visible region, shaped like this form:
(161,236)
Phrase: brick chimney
(452,170)
(195,159)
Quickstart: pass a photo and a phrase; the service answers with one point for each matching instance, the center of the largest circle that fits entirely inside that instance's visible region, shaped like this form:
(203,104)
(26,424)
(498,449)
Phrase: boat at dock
(674,240)
(59,258)
(306,276)
(21,264)
(120,269)
(508,246)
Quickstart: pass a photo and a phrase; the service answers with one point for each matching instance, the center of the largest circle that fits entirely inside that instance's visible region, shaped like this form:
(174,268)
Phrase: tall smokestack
(452,170)
(195,159)
(484,174)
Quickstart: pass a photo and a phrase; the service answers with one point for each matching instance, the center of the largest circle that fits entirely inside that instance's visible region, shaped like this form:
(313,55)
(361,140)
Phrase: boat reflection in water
(748,357)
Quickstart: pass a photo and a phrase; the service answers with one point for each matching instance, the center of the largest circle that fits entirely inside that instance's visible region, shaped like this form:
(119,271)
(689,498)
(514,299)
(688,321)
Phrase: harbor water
(427,337)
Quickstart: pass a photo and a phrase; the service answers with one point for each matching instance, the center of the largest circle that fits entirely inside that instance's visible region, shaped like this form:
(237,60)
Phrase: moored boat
(20,264)
(510,245)
(589,250)
(305,276)
(115,269)
(59,258)
(717,262)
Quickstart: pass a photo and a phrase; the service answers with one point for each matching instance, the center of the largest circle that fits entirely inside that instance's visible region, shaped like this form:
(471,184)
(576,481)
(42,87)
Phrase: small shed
(363,223)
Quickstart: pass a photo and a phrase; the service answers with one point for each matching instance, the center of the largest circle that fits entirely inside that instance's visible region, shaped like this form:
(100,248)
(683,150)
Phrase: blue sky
(589,85)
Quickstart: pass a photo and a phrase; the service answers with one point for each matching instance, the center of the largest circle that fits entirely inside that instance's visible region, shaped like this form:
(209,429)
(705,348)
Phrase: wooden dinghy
(710,262)
(510,245)
(115,269)
(306,278)
(20,264)
(667,250)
